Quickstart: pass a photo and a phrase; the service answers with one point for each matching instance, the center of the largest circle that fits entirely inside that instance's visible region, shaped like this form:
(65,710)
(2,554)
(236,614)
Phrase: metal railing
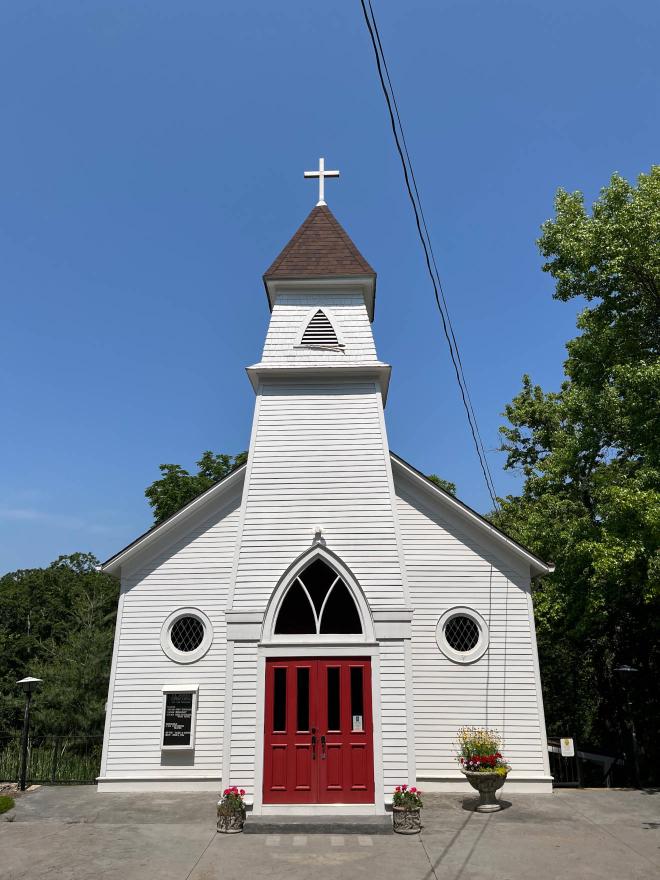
(53,760)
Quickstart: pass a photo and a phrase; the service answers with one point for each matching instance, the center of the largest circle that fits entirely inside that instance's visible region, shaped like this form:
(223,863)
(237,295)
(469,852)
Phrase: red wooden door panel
(318,743)
(289,763)
(346,764)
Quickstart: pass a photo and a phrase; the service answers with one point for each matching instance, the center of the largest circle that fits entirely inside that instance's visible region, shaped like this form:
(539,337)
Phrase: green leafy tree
(177,487)
(443,484)
(590,457)
(57,623)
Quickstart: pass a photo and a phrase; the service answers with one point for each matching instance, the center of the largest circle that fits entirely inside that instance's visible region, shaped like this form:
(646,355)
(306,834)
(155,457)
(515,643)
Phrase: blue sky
(151,168)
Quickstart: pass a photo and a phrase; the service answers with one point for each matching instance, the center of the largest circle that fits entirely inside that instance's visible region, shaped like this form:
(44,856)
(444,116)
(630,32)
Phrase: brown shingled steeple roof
(321,248)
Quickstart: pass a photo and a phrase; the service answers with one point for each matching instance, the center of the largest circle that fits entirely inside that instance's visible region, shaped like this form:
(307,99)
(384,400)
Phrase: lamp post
(28,686)
(626,675)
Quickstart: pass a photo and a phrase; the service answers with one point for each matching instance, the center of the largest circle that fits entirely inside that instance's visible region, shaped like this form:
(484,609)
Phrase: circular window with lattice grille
(462,635)
(186,635)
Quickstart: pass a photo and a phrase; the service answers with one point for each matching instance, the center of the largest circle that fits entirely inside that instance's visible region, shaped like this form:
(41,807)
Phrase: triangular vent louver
(320,331)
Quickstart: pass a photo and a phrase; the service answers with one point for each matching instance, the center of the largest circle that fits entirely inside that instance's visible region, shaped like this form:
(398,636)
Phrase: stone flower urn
(230,819)
(486,784)
(405,821)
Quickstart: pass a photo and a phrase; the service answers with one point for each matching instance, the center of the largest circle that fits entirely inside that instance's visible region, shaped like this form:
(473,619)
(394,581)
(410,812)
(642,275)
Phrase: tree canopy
(590,457)
(443,484)
(57,623)
(177,487)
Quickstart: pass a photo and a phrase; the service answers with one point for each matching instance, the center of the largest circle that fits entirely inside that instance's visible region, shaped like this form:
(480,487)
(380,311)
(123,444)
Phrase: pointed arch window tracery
(318,602)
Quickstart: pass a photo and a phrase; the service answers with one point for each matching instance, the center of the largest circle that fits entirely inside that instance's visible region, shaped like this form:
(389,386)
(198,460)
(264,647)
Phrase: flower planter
(486,784)
(230,821)
(406,821)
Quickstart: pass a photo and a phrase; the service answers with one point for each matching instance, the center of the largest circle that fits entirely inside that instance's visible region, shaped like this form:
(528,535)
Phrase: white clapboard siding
(319,456)
(194,571)
(395,722)
(291,315)
(447,567)
(243,716)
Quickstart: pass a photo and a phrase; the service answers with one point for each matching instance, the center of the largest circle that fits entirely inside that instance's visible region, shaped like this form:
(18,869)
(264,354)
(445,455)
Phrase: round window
(186,635)
(462,635)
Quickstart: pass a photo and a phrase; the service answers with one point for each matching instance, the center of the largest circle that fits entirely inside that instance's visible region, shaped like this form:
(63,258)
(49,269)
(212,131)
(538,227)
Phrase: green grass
(6,803)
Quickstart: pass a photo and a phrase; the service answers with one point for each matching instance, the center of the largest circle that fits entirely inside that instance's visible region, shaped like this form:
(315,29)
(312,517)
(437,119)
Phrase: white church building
(316,626)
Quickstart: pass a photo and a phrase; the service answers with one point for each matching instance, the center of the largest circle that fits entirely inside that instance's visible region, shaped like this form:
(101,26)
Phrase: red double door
(318,732)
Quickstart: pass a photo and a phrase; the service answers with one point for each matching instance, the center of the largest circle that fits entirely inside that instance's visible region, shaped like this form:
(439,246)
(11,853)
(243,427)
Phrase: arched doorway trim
(318,551)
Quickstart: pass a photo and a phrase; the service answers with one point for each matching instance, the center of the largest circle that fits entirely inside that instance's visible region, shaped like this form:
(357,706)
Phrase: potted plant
(406,804)
(483,765)
(231,811)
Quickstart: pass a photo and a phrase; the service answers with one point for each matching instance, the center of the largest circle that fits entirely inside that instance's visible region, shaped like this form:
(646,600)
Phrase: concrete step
(318,824)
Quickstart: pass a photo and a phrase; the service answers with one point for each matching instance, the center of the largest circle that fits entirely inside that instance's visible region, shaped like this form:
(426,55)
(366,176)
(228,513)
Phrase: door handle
(323,754)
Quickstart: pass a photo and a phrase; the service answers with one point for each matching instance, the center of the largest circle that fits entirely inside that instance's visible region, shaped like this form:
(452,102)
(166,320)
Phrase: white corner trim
(111,685)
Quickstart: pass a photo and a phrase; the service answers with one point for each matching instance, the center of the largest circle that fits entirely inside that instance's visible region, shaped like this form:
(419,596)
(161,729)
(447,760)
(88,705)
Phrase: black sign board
(178,719)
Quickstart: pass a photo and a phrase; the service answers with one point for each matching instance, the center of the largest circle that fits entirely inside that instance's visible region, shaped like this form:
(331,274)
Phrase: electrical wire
(431,265)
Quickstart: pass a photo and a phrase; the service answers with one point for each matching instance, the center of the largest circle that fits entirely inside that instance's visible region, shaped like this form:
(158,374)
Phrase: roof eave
(275,284)
(113,565)
(537,566)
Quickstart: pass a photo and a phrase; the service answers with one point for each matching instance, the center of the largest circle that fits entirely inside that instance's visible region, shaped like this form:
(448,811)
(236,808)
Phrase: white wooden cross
(321,174)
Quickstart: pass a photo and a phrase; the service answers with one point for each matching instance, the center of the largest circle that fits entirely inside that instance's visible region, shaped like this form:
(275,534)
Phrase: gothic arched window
(320,331)
(318,602)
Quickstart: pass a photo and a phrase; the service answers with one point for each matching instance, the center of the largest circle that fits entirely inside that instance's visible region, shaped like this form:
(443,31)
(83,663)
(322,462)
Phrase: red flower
(413,790)
(404,787)
(398,788)
(242,792)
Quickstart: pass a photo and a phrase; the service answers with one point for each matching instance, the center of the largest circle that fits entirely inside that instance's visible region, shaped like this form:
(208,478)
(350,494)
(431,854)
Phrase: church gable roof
(321,248)
(234,481)
(448,501)
(170,526)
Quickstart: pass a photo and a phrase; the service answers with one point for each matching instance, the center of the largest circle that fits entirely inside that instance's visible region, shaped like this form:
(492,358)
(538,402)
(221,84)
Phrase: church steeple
(321,249)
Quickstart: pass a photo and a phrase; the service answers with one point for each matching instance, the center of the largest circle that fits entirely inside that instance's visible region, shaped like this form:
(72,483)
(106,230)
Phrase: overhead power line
(425,238)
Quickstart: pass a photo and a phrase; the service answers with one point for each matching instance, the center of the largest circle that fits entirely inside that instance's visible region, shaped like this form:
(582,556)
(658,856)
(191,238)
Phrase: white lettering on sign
(357,722)
(567,747)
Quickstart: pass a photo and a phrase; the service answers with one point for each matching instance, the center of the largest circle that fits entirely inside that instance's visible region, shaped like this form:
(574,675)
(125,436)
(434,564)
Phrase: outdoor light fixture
(28,685)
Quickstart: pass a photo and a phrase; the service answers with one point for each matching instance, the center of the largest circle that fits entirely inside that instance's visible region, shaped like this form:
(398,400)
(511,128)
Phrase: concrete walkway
(75,833)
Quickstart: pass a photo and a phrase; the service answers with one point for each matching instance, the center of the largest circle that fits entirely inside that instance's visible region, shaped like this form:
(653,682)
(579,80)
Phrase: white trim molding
(185,657)
(360,284)
(121,784)
(451,783)
(334,322)
(180,689)
(318,551)
(462,656)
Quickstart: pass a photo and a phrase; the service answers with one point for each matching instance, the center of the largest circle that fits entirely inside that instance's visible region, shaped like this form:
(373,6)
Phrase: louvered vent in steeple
(320,331)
